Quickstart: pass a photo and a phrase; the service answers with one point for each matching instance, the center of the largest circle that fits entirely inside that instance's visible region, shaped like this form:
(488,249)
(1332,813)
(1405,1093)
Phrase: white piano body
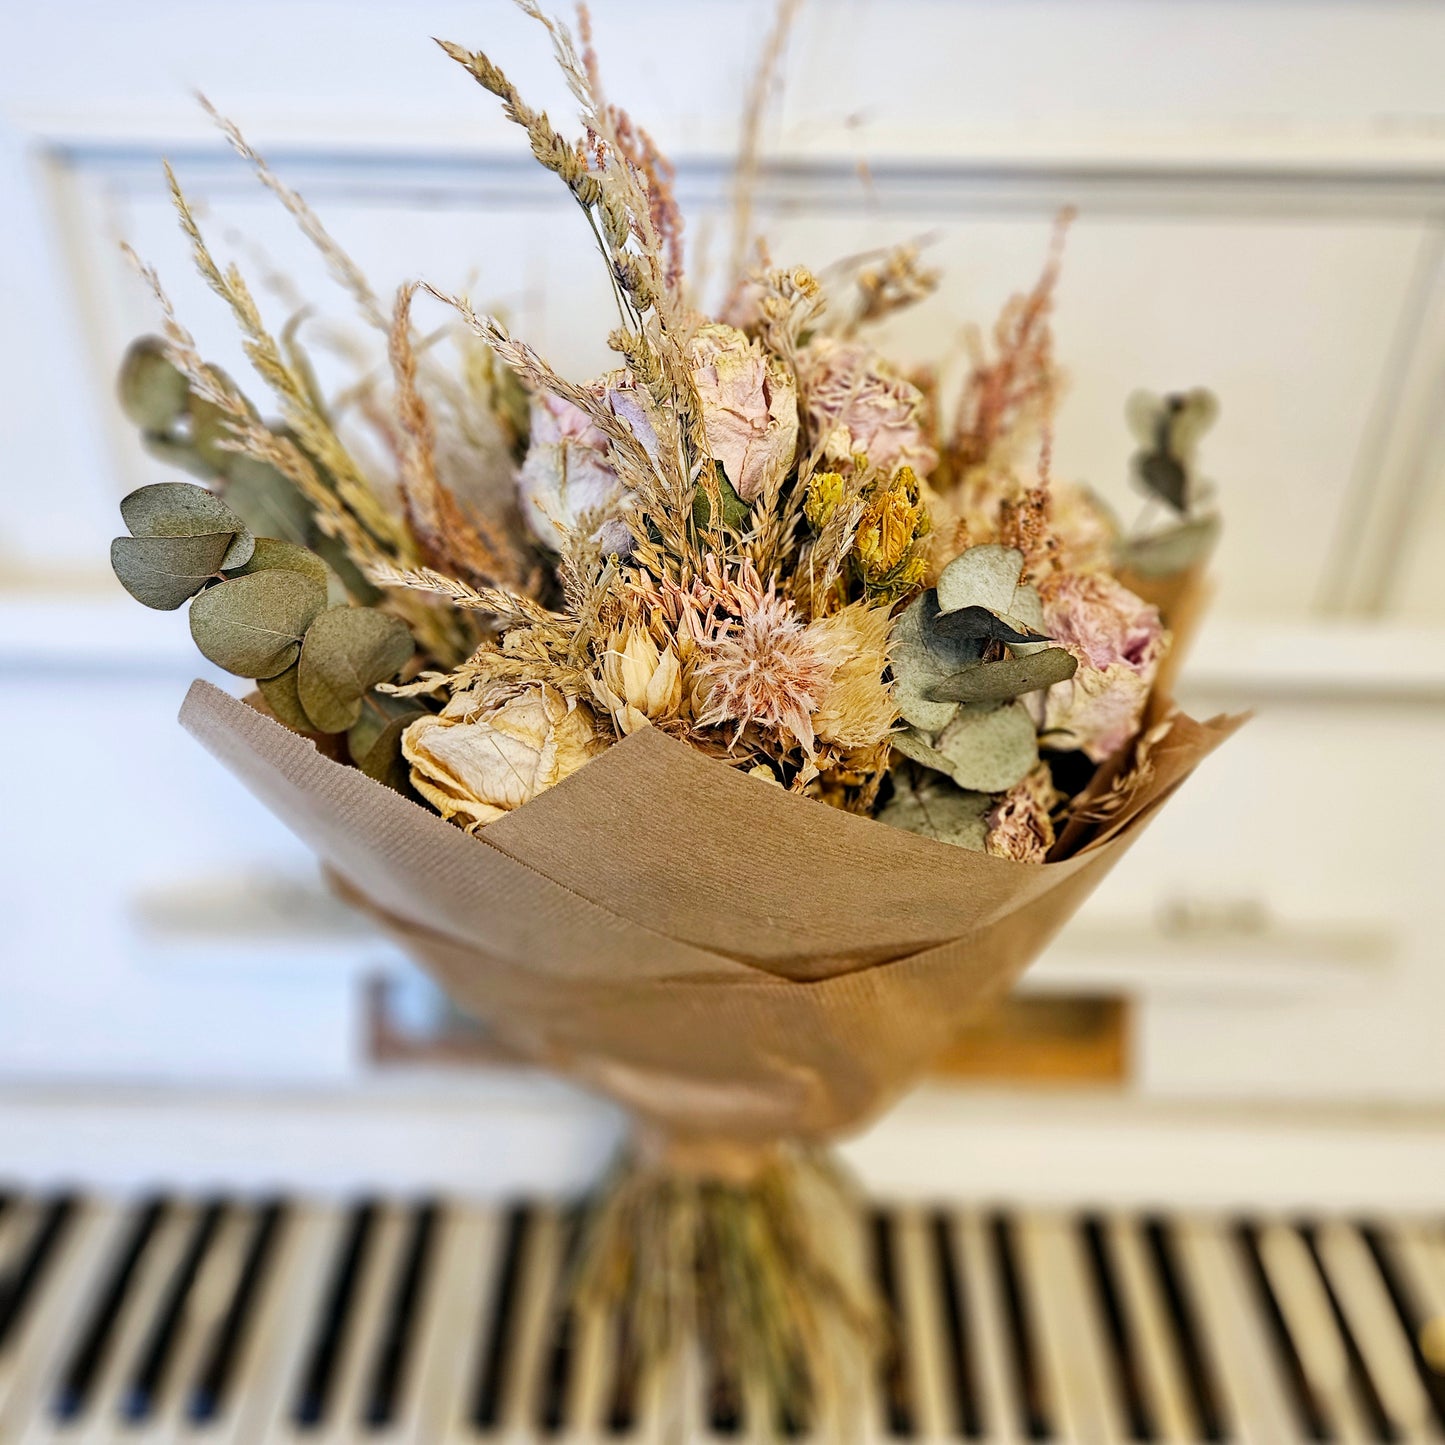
(186,1018)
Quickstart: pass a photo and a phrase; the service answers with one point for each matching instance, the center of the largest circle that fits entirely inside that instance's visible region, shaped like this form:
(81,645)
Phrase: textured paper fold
(718,955)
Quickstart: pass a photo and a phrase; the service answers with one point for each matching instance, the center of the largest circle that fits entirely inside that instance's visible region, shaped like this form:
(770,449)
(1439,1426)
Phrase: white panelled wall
(1261,192)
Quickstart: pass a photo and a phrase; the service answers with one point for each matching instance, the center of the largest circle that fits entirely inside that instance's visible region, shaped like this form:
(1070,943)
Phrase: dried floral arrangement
(757,594)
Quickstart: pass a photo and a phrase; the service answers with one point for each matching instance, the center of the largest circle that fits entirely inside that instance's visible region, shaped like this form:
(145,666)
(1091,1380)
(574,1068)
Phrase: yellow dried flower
(825,492)
(640,682)
(475,763)
(892,523)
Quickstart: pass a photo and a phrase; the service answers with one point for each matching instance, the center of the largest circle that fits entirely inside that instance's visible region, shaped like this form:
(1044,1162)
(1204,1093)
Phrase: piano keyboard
(244,1322)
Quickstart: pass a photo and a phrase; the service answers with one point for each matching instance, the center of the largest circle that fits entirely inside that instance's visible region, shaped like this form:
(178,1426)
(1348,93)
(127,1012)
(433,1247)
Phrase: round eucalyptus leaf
(1008,678)
(380,756)
(913,744)
(163,572)
(177,452)
(274,556)
(940,811)
(1162,554)
(347,651)
(182,509)
(253,625)
(984,576)
(267,500)
(153,393)
(284,700)
(990,748)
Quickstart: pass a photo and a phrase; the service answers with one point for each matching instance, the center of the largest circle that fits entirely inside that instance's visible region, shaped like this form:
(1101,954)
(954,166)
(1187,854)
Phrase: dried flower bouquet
(778,713)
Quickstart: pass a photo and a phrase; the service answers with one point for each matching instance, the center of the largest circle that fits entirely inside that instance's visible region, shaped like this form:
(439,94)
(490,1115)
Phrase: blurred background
(1249,1014)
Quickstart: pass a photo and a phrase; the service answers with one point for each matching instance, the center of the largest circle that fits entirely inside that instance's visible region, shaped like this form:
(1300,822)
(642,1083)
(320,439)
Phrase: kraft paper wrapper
(726,960)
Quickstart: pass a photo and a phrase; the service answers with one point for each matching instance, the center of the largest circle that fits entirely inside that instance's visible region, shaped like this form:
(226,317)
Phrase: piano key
(404,1306)
(1412,1308)
(922,1313)
(1068,1331)
(1235,1335)
(1426,1244)
(1117,1331)
(500,1331)
(1000,1407)
(271,1368)
(957,1345)
(158,1352)
(37,1231)
(1310,1317)
(591,1373)
(88,1356)
(56,1311)
(221,1355)
(557,1369)
(1375,1327)
(531,1314)
(895,1413)
(1198,1363)
(1028,1371)
(1162,1382)
(334,1326)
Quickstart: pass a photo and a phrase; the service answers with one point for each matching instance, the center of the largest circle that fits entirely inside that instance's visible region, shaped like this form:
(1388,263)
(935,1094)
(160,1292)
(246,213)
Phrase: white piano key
(593,1363)
(1310,1320)
(20,1223)
(531,1315)
(65,1299)
(922,1312)
(984,1309)
(103,1416)
(467,1277)
(1375,1327)
(263,1390)
(1068,1333)
(1233,1334)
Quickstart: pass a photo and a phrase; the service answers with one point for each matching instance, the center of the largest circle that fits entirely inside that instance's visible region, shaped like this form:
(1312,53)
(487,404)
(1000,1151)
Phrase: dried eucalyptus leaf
(1008,678)
(267,500)
(913,744)
(381,757)
(253,625)
(922,654)
(941,812)
(990,748)
(978,624)
(176,452)
(273,556)
(985,576)
(347,651)
(153,394)
(163,572)
(1175,549)
(182,509)
(284,700)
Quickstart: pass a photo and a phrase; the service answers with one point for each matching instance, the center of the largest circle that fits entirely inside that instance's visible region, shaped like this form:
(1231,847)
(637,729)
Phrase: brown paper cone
(721,957)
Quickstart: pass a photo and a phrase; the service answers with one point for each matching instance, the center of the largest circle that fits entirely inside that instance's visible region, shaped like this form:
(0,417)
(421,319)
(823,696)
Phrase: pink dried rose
(1119,642)
(567,475)
(1019,824)
(857,402)
(749,408)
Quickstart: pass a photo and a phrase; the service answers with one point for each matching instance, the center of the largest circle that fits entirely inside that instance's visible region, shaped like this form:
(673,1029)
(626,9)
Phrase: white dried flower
(640,682)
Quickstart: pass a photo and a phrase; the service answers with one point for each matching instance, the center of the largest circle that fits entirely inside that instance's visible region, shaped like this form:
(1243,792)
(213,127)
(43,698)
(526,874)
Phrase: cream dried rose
(749,408)
(1119,642)
(477,763)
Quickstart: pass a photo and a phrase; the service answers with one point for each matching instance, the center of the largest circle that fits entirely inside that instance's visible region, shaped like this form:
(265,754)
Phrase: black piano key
(158,1351)
(22,1283)
(1184,1321)
(893,1363)
(1412,1315)
(1029,1384)
(403,1310)
(87,1359)
(323,1364)
(959,1352)
(213,1379)
(491,1375)
(557,1357)
(1118,1330)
